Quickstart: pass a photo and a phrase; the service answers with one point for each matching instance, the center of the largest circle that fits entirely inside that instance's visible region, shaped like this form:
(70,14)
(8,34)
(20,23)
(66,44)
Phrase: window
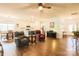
(6,27)
(3,27)
(72,27)
(11,26)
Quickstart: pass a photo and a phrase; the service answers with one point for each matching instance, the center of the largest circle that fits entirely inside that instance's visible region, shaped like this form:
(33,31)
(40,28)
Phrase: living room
(54,22)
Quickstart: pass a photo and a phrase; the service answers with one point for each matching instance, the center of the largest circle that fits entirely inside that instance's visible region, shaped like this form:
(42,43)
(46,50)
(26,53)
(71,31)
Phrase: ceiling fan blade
(30,6)
(47,7)
(75,13)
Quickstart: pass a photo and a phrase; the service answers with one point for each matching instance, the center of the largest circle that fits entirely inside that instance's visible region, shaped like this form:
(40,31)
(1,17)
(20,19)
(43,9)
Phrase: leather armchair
(1,50)
(21,40)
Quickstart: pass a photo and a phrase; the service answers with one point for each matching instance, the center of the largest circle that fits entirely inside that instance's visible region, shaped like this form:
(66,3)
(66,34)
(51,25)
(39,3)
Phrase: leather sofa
(51,34)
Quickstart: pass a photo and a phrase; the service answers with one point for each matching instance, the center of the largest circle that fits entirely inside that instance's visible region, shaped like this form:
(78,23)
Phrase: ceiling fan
(44,6)
(40,6)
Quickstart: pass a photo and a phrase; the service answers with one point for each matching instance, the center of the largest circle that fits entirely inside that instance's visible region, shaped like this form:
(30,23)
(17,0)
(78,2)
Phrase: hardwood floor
(51,47)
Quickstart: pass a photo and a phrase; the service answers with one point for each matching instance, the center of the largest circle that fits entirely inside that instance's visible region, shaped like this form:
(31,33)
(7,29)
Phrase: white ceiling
(30,10)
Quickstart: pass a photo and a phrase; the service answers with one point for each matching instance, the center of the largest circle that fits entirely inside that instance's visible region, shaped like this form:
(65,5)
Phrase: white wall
(60,24)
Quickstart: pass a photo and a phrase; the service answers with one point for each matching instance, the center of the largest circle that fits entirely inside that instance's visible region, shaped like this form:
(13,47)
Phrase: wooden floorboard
(51,47)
